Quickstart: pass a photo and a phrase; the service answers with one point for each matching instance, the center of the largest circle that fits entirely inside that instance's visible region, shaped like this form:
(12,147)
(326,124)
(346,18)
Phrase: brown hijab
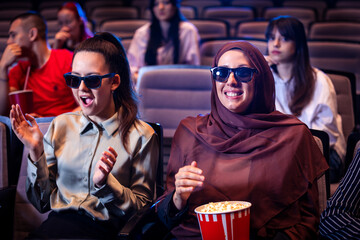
(283,156)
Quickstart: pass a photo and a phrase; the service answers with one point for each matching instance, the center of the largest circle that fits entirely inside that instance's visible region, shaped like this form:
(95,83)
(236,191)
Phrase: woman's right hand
(29,134)
(187,178)
(61,37)
(270,61)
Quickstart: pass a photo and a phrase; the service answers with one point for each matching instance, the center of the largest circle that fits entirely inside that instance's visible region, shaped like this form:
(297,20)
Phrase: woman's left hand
(104,167)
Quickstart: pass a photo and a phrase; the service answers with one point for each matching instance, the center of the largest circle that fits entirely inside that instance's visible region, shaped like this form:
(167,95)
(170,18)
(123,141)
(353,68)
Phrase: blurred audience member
(42,67)
(303,90)
(168,39)
(73,26)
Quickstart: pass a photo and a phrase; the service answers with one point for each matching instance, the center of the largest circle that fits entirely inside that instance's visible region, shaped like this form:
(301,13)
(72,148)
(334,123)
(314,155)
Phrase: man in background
(28,48)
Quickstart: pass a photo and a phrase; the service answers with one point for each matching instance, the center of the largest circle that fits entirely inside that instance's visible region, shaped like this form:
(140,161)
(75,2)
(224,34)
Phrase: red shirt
(51,95)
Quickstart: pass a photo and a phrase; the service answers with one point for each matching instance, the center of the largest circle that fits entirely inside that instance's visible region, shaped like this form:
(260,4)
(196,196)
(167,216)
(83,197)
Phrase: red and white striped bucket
(227,225)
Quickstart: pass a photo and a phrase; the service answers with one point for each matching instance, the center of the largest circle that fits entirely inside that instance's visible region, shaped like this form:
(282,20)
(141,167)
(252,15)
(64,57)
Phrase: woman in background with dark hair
(303,90)
(96,167)
(73,26)
(168,39)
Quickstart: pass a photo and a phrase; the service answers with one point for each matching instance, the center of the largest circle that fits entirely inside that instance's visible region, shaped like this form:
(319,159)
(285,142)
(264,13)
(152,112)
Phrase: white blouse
(321,113)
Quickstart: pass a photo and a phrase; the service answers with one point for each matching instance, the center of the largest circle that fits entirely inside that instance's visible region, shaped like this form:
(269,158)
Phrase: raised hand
(61,37)
(28,133)
(186,179)
(104,167)
(270,61)
(11,53)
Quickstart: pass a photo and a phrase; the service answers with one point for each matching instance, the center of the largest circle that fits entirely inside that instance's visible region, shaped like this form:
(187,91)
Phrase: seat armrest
(7,203)
(134,221)
(144,224)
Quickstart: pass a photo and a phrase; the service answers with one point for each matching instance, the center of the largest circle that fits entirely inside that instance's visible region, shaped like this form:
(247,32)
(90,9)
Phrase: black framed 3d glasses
(91,82)
(241,74)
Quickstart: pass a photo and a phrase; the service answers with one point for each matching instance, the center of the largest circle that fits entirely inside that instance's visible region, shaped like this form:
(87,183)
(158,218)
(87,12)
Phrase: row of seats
(232,15)
(239,11)
(335,30)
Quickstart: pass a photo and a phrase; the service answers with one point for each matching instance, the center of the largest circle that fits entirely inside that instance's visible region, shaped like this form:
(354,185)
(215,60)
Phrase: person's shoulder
(64,124)
(144,29)
(320,76)
(67,118)
(323,81)
(189,123)
(143,129)
(21,65)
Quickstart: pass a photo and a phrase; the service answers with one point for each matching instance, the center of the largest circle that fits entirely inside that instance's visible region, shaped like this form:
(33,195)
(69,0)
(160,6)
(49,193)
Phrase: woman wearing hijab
(244,150)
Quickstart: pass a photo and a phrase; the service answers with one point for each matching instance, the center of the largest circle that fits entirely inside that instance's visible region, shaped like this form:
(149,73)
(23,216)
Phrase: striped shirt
(341,218)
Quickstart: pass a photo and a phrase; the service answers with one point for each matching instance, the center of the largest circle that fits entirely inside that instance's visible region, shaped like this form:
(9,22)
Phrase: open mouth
(87,101)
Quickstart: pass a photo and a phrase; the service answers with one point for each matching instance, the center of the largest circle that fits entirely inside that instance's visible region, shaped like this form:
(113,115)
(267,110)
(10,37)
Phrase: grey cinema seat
(230,14)
(210,47)
(211,28)
(169,93)
(251,29)
(341,56)
(333,30)
(124,28)
(305,15)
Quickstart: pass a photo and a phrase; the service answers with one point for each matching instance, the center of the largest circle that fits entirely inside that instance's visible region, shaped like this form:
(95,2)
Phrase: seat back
(323,182)
(353,144)
(169,93)
(341,56)
(53,28)
(200,5)
(4,31)
(258,5)
(122,28)
(4,150)
(211,28)
(50,13)
(251,29)
(232,15)
(26,217)
(341,31)
(305,15)
(9,13)
(101,14)
(91,5)
(347,4)
(160,169)
(189,12)
(210,47)
(344,84)
(126,43)
(342,14)
(319,5)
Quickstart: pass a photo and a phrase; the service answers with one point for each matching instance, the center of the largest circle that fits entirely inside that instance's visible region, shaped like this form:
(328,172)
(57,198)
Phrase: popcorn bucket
(228,224)
(24,98)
